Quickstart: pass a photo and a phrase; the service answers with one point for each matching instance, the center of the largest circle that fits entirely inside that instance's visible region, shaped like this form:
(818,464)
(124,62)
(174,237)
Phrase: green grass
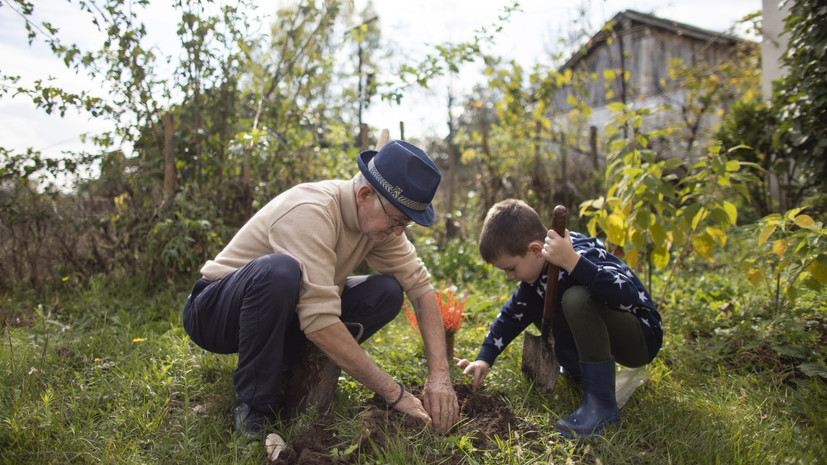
(104,373)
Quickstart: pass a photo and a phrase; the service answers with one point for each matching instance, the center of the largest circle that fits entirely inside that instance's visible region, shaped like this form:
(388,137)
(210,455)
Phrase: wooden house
(629,59)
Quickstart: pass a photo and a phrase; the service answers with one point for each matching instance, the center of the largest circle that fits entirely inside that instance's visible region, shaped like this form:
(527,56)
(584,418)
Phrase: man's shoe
(247,421)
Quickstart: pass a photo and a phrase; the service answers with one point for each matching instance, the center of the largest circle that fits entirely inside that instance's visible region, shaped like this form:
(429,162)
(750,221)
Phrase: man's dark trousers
(252,311)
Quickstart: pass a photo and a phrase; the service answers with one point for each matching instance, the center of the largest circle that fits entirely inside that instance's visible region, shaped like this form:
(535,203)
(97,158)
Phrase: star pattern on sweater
(498,341)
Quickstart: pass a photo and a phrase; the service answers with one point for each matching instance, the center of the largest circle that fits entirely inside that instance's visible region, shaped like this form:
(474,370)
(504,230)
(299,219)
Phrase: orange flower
(451,306)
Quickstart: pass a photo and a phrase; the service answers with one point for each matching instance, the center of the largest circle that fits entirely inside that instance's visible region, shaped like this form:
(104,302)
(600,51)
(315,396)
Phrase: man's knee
(275,273)
(277,268)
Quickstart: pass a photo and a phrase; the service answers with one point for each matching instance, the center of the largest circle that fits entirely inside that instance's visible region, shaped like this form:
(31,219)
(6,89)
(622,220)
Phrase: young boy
(603,312)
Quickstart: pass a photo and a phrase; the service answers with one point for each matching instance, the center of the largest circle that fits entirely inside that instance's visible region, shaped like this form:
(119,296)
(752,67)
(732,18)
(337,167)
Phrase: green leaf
(720,215)
(812,283)
(791,292)
(819,271)
(793,350)
(638,239)
(813,369)
(642,219)
(616,107)
(658,234)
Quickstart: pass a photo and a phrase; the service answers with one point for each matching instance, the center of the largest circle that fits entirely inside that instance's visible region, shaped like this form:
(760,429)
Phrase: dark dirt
(484,416)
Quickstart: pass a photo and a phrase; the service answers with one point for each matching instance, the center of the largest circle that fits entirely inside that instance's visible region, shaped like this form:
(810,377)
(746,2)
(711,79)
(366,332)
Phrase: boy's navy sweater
(605,275)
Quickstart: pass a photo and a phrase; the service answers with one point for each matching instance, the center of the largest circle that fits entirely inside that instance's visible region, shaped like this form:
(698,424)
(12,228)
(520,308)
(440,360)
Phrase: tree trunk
(169,156)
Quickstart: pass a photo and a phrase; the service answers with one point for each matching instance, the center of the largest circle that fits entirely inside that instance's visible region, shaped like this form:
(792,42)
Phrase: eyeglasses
(391,224)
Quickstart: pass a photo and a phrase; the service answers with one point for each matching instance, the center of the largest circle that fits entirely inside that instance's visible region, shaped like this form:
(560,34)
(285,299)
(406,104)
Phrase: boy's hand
(478,368)
(559,250)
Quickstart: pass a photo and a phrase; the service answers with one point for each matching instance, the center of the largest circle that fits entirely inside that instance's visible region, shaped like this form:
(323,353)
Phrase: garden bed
(484,418)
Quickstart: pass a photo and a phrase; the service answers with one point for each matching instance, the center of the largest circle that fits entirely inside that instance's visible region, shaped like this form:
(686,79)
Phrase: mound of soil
(483,417)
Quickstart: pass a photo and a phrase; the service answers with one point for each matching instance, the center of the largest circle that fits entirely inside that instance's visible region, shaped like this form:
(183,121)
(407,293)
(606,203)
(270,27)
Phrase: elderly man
(284,278)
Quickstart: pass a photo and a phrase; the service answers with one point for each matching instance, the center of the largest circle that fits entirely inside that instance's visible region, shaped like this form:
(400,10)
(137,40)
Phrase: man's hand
(412,406)
(440,401)
(478,369)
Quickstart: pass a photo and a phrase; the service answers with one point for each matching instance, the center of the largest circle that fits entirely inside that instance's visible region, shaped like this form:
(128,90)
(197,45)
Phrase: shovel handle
(558,224)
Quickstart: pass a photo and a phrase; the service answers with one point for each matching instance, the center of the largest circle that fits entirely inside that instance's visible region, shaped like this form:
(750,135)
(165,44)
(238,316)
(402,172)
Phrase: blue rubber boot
(599,407)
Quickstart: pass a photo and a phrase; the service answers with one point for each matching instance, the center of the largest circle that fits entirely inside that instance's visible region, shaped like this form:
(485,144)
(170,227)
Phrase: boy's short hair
(509,227)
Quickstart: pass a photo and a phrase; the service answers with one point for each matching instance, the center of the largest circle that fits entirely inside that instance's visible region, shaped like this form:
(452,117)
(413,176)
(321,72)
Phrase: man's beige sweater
(316,224)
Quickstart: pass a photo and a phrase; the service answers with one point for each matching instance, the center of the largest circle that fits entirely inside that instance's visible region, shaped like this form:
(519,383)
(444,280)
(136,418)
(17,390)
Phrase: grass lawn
(104,373)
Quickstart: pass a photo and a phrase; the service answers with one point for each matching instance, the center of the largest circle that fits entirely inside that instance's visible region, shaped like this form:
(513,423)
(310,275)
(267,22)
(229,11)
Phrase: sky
(412,28)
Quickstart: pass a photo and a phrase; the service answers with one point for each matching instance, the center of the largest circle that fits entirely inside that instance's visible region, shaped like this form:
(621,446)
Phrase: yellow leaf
(138,339)
(660,258)
(779,247)
(698,217)
(468,155)
(591,226)
(704,245)
(755,276)
(631,257)
(609,74)
(617,229)
(717,234)
(804,221)
(766,232)
(731,212)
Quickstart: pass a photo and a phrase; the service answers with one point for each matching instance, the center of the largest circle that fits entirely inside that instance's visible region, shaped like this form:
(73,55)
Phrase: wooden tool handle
(558,224)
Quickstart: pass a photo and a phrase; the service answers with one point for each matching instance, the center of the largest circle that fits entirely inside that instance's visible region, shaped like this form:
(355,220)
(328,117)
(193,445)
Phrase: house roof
(629,20)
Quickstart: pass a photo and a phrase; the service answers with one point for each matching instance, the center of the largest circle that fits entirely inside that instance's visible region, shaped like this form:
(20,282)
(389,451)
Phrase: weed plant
(101,371)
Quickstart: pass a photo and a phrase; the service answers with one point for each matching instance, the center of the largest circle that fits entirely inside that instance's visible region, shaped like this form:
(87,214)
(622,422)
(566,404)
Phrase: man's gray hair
(360,180)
